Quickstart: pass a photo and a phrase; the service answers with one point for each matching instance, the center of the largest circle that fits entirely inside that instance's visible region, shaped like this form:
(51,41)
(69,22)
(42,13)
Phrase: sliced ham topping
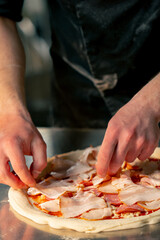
(89,155)
(97,180)
(77,169)
(112,199)
(129,208)
(73,188)
(82,202)
(149,206)
(122,182)
(107,187)
(51,206)
(152,179)
(137,193)
(97,214)
(52,188)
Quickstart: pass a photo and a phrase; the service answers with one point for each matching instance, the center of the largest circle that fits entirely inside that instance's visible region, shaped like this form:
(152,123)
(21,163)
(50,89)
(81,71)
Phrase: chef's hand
(19,137)
(133,131)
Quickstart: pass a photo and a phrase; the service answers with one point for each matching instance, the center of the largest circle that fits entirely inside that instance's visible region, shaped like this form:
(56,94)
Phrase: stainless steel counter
(15,227)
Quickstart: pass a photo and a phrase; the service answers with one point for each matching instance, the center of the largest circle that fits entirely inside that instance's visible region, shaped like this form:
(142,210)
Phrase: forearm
(12,68)
(149,97)
(18,135)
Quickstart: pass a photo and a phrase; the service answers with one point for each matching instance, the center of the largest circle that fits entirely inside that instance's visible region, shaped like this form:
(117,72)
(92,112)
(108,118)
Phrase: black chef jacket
(103,52)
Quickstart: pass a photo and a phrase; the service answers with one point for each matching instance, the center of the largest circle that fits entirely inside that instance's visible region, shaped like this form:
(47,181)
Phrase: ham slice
(51,206)
(137,193)
(97,180)
(89,155)
(97,214)
(152,179)
(78,168)
(82,202)
(129,208)
(122,182)
(150,206)
(107,187)
(112,199)
(52,188)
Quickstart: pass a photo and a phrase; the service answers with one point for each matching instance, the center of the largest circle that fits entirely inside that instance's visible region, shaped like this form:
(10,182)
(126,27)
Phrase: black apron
(103,53)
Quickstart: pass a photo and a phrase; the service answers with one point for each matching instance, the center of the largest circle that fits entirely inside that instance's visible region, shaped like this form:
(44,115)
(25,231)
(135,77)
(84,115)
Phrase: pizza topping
(77,169)
(97,214)
(97,180)
(137,193)
(89,155)
(73,189)
(152,179)
(129,208)
(82,202)
(149,206)
(53,189)
(121,182)
(112,199)
(51,206)
(107,187)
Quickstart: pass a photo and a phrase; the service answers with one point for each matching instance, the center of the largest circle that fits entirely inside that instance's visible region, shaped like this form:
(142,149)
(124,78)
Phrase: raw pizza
(69,194)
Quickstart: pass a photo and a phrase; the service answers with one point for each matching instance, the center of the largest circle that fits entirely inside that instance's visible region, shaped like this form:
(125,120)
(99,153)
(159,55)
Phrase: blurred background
(35,33)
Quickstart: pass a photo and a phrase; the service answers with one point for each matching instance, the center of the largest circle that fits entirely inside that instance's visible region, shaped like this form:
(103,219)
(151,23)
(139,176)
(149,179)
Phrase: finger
(104,156)
(7,177)
(17,159)
(146,152)
(39,157)
(118,158)
(135,150)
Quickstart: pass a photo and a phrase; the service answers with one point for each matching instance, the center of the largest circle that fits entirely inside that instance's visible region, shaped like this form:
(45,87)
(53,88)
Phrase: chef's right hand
(19,137)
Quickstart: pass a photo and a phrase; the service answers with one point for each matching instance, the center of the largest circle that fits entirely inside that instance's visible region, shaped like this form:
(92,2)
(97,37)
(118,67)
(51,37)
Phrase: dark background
(34,30)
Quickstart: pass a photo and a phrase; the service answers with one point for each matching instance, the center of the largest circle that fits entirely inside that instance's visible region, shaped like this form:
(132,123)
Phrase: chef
(106,61)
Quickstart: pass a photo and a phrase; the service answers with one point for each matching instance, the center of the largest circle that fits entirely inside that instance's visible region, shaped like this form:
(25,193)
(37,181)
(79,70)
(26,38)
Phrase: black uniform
(103,53)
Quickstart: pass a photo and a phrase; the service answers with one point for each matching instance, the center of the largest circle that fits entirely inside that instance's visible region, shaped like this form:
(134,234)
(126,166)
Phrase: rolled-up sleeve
(11,9)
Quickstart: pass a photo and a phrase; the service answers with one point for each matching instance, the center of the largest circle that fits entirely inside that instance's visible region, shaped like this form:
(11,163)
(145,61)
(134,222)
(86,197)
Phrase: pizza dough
(20,203)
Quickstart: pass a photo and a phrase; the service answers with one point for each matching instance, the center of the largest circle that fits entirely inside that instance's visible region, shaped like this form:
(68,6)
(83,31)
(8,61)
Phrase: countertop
(15,227)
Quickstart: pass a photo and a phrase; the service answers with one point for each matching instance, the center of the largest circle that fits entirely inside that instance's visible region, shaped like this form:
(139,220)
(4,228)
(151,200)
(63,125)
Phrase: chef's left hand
(133,131)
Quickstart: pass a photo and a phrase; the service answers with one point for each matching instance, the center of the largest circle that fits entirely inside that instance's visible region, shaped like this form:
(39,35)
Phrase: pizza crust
(19,201)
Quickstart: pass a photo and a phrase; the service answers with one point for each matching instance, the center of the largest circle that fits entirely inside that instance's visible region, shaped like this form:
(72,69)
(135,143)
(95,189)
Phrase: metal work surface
(15,227)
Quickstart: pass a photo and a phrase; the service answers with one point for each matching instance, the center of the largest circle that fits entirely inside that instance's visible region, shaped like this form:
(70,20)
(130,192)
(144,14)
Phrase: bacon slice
(137,193)
(152,179)
(89,155)
(112,199)
(97,214)
(51,206)
(97,180)
(122,182)
(82,202)
(150,206)
(78,168)
(52,188)
(129,208)
(107,187)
